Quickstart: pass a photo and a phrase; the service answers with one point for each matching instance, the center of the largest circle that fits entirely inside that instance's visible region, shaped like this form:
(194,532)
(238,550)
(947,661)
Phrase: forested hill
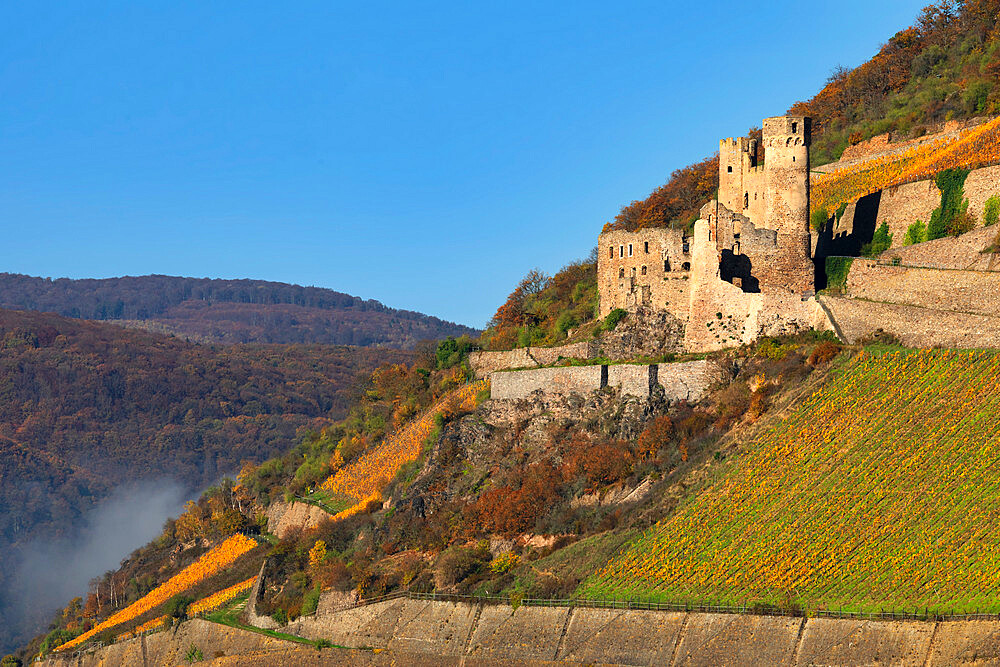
(227,311)
(86,406)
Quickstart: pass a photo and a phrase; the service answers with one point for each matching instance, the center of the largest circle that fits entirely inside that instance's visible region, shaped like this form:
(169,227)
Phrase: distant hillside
(228,311)
(85,406)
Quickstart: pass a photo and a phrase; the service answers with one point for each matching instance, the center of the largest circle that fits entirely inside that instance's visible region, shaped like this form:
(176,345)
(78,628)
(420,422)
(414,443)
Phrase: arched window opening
(621,272)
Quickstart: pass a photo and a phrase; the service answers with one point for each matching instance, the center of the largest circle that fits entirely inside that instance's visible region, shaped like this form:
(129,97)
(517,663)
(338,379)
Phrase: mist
(50,572)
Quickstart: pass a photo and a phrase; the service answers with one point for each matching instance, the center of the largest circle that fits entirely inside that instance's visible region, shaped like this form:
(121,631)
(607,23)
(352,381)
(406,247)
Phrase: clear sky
(426,154)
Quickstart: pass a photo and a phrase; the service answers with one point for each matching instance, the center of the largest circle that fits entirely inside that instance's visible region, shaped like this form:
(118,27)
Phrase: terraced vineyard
(213,561)
(976,147)
(363,480)
(880,491)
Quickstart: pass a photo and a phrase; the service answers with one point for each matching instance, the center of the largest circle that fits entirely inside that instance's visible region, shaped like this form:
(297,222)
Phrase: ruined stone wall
(741,179)
(553,381)
(645,268)
(723,315)
(975,292)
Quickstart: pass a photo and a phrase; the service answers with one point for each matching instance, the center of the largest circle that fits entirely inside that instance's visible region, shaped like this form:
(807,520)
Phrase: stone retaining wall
(484,362)
(973,292)
(916,327)
(963,252)
(680,381)
(417,632)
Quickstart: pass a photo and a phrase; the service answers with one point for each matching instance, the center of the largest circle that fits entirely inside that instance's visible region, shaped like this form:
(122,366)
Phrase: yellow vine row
(211,562)
(366,477)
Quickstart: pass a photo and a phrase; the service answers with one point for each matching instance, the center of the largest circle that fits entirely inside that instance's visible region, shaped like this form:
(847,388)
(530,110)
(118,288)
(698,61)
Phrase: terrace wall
(680,381)
(973,292)
(484,362)
(424,632)
(857,320)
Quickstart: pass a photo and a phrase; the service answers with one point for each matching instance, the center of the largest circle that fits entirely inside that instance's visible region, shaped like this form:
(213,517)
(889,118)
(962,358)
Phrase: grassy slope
(881,490)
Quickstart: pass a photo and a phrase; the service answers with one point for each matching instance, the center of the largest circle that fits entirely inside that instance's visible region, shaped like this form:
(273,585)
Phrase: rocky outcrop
(282,517)
(644,332)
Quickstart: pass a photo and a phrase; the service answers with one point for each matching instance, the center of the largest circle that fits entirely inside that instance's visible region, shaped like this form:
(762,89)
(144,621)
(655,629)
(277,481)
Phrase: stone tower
(786,198)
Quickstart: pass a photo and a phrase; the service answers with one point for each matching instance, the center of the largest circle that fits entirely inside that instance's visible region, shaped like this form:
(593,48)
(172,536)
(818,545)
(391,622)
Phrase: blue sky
(423,154)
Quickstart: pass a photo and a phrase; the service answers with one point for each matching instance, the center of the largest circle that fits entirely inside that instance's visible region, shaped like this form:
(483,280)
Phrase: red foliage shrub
(823,353)
(512,509)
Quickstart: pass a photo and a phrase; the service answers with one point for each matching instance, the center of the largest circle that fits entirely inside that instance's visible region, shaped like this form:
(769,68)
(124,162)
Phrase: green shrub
(818,218)
(881,241)
(951,182)
(193,654)
(177,607)
(915,233)
(310,601)
(451,352)
(613,318)
(991,211)
(280,616)
(565,322)
(837,269)
(56,638)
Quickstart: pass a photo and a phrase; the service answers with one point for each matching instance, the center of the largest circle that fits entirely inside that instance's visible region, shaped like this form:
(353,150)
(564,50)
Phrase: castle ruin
(747,270)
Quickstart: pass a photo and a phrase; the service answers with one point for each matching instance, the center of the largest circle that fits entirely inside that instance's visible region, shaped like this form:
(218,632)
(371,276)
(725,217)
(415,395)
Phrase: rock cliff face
(282,517)
(644,333)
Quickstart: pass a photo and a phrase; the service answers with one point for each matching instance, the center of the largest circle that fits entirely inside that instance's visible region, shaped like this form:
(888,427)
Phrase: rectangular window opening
(629,249)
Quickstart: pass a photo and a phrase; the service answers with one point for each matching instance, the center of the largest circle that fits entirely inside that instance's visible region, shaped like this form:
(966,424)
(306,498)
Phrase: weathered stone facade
(648,267)
(686,381)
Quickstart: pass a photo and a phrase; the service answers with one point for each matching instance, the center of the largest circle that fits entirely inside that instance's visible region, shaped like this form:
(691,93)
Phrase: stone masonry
(686,381)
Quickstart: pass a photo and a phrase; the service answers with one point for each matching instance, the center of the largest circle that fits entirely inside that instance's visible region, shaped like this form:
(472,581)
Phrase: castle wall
(647,267)
(741,179)
(723,315)
(560,381)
